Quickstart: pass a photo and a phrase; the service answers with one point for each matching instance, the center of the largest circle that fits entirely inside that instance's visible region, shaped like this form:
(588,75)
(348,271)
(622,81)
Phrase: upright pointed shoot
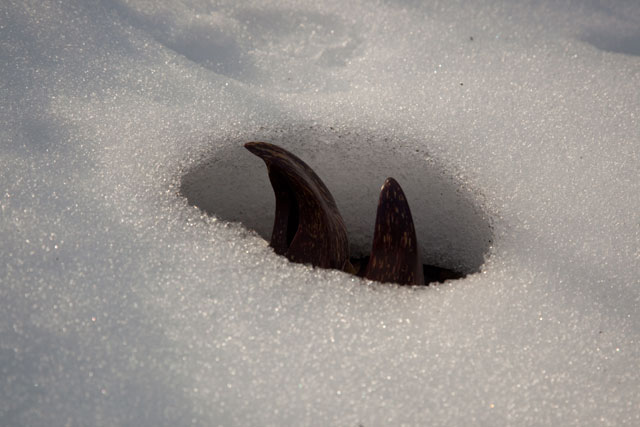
(308,227)
(394,256)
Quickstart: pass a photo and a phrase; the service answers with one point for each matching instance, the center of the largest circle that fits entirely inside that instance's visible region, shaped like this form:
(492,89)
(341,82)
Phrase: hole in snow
(453,232)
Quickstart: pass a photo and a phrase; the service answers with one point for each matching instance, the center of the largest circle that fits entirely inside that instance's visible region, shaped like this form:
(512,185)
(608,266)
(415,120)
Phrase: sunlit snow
(136,284)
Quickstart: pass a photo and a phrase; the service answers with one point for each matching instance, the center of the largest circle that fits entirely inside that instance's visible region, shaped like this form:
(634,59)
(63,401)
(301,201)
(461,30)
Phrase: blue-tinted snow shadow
(211,43)
(613,26)
(628,44)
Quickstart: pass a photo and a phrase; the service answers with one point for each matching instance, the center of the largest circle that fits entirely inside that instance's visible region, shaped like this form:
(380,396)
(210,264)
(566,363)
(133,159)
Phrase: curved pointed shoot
(308,227)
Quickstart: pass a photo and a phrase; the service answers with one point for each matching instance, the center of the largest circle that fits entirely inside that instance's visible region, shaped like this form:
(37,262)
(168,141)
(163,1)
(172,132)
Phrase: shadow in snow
(625,42)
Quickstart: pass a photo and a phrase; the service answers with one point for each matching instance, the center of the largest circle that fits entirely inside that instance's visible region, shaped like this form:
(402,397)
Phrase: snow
(136,284)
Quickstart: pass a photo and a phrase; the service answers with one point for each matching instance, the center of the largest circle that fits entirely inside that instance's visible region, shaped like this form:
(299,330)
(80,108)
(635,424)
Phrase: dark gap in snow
(432,274)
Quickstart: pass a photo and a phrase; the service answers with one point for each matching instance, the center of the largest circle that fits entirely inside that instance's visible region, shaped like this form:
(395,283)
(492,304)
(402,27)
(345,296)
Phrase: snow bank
(513,128)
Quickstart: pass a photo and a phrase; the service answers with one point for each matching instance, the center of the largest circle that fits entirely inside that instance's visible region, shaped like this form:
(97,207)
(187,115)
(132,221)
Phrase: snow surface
(514,128)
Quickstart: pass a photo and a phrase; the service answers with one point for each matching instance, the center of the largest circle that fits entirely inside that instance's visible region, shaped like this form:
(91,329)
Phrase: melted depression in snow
(136,283)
